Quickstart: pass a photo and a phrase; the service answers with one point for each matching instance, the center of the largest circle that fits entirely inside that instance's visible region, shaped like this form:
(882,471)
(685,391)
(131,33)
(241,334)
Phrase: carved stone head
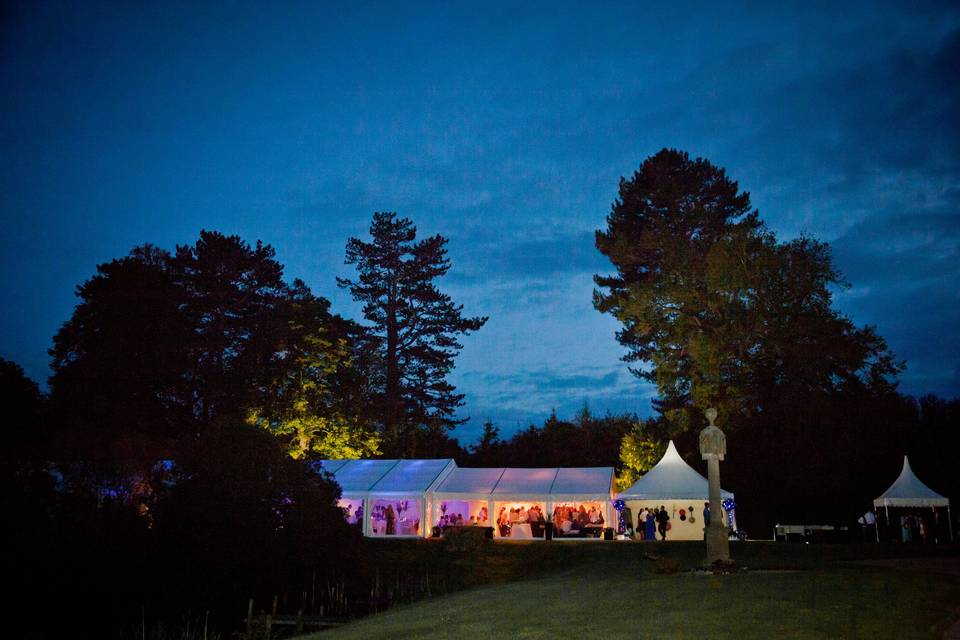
(713,442)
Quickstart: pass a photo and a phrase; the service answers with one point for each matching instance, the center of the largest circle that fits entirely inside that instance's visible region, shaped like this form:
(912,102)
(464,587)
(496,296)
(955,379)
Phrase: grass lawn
(611,591)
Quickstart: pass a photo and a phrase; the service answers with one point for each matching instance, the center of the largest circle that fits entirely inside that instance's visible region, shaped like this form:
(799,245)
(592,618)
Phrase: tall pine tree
(414,332)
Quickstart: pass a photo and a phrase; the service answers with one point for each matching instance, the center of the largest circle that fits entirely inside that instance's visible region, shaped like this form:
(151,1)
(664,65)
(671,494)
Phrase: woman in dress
(650,531)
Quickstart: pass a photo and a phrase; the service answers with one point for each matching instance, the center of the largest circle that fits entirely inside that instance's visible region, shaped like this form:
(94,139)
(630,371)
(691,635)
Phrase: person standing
(391,521)
(706,518)
(662,520)
(650,528)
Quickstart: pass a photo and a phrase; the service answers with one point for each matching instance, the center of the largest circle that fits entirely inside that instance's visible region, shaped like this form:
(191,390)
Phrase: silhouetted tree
(120,390)
(414,328)
(486,451)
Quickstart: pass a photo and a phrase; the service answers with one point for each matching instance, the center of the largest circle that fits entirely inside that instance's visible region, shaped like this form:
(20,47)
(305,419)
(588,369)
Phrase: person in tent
(662,520)
(650,532)
(642,523)
(391,521)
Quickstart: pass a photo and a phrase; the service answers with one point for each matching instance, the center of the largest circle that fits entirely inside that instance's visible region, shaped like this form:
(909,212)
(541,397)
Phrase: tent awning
(908,491)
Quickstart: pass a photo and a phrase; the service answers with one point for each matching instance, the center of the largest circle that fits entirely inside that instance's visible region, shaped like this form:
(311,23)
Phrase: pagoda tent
(907,491)
(674,484)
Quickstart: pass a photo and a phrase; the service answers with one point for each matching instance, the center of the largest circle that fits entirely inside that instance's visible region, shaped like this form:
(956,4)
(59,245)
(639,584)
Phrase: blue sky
(504,128)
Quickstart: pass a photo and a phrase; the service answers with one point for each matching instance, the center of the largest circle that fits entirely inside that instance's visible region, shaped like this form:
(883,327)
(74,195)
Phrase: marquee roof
(411,476)
(908,491)
(385,476)
(596,481)
(515,481)
(671,479)
(407,477)
(471,481)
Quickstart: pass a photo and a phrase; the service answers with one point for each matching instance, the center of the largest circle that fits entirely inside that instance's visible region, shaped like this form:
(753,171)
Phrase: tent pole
(876,527)
(886,508)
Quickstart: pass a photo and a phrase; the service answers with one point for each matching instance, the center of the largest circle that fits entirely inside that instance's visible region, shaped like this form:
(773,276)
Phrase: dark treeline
(167,469)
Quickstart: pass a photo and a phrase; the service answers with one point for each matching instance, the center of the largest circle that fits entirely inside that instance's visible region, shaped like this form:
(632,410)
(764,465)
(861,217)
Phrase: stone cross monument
(713,447)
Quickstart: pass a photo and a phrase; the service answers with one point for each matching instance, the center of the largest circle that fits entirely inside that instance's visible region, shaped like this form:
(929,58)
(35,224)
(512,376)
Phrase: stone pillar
(713,448)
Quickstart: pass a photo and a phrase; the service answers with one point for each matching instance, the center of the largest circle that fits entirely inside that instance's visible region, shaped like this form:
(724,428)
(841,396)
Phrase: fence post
(300,620)
(268,625)
(249,634)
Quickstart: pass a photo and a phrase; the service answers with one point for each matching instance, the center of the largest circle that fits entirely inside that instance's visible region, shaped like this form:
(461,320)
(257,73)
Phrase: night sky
(503,128)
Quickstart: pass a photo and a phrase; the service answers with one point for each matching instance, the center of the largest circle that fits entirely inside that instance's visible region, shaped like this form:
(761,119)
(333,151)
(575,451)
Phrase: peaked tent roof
(908,491)
(671,479)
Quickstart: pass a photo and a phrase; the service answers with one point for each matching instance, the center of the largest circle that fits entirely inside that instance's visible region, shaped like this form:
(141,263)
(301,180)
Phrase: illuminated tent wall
(392,495)
(466,492)
(483,493)
(420,492)
(908,491)
(677,486)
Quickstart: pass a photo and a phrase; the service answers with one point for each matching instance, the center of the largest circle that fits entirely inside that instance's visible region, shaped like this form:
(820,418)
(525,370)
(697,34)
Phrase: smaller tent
(908,491)
(674,484)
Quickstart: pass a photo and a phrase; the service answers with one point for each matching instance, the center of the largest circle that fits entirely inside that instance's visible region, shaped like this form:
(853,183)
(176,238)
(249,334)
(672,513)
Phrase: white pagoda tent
(908,491)
(676,485)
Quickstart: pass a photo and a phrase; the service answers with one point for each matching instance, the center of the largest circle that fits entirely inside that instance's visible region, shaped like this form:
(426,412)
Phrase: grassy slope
(609,590)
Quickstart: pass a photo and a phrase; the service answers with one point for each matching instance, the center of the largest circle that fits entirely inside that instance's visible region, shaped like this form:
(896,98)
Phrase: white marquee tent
(418,492)
(677,486)
(908,491)
(387,497)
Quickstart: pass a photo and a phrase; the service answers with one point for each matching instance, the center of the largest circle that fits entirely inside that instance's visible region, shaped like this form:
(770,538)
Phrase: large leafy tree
(232,295)
(314,394)
(163,347)
(120,395)
(714,310)
(413,336)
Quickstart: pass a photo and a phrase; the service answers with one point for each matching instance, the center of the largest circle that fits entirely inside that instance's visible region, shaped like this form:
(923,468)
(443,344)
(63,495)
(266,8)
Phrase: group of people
(506,519)
(911,526)
(914,528)
(651,521)
(457,520)
(568,519)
